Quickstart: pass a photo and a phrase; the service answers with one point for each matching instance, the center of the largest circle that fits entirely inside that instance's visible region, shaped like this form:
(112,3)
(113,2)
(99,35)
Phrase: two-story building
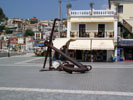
(94,34)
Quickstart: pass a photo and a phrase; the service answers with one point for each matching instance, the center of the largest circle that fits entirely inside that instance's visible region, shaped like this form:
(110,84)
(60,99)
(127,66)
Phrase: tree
(28,32)
(65,23)
(2,15)
(91,7)
(8,31)
(2,28)
(33,20)
(68,6)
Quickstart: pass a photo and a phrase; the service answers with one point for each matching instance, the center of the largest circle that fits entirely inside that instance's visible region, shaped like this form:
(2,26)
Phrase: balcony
(108,34)
(12,26)
(87,13)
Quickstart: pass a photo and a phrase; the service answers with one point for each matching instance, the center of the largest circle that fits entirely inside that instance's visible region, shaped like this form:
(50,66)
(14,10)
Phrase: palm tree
(68,6)
(91,7)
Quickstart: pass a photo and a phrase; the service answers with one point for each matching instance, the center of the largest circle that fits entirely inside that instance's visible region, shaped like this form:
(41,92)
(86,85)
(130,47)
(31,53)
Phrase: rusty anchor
(67,66)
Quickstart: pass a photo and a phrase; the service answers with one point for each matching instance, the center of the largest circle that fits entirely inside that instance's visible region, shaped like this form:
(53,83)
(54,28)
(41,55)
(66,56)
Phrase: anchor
(67,66)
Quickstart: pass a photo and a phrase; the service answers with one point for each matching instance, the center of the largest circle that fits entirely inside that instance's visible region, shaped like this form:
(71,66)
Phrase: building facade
(125,27)
(93,34)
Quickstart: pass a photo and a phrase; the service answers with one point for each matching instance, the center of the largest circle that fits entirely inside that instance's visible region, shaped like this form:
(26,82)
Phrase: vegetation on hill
(28,32)
(33,20)
(2,15)
(2,28)
(8,31)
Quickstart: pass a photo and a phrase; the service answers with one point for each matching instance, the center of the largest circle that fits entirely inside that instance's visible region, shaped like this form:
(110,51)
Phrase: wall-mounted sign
(125,43)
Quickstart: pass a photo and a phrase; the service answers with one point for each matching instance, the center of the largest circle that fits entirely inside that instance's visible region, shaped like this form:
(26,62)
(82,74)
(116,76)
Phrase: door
(78,54)
(101,30)
(82,30)
(128,52)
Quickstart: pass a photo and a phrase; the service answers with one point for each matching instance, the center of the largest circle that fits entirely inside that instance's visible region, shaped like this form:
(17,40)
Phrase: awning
(129,21)
(102,45)
(39,45)
(79,45)
(59,42)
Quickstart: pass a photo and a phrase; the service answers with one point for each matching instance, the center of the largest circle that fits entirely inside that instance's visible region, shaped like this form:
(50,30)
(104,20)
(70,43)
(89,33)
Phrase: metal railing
(92,35)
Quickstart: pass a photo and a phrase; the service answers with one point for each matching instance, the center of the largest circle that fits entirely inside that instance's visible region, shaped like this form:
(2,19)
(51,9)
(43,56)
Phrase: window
(120,9)
(37,36)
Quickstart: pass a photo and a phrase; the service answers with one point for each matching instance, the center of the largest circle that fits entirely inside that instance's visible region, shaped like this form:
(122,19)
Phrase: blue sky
(45,9)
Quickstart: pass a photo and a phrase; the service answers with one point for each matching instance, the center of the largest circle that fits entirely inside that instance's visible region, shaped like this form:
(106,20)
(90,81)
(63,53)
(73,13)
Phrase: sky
(45,9)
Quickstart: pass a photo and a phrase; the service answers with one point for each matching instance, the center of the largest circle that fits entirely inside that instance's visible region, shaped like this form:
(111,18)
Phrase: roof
(122,0)
(21,37)
(42,24)
(34,18)
(129,21)
(13,38)
(109,1)
(32,40)
(2,41)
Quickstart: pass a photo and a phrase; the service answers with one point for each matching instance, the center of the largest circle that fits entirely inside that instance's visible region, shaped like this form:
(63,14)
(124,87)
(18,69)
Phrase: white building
(93,34)
(21,40)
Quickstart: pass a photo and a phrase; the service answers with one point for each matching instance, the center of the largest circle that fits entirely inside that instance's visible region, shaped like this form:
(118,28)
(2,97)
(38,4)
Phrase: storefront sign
(125,43)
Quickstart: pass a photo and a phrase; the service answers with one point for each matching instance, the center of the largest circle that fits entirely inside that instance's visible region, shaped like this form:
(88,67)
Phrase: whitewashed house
(21,43)
(93,35)
(28,43)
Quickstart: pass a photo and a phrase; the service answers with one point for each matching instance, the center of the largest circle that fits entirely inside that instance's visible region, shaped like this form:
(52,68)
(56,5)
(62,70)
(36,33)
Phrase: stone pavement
(20,79)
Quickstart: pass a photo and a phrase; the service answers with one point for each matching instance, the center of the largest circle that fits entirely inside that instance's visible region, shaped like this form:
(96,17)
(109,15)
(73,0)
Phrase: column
(115,37)
(116,54)
(115,28)
(68,28)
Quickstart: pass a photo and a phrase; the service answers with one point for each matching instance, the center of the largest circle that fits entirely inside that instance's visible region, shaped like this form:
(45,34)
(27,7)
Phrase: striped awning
(60,42)
(102,45)
(79,45)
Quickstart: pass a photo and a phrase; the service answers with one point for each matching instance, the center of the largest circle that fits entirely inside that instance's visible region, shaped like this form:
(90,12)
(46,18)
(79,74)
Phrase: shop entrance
(100,56)
(128,53)
(88,56)
(78,54)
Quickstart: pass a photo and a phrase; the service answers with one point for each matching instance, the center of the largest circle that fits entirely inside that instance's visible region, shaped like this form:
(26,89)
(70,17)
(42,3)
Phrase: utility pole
(1,44)
(59,27)
(8,47)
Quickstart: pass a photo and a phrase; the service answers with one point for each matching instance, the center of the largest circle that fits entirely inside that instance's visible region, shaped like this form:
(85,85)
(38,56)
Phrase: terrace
(92,13)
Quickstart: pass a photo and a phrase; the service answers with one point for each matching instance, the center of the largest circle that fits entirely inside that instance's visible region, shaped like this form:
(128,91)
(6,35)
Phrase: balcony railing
(108,34)
(93,13)
(12,26)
